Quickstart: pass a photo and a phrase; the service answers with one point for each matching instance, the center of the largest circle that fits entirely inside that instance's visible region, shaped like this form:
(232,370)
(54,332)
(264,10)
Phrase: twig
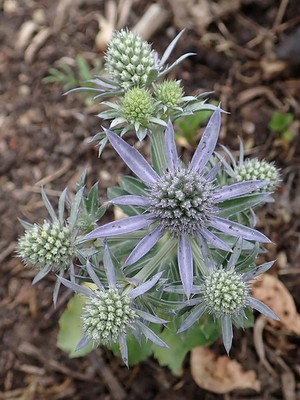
(116,390)
(259,344)
(7,252)
(154,18)
(56,174)
(280,14)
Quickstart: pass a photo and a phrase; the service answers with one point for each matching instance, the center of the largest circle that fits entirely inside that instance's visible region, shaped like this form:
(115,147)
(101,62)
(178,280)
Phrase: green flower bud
(129,60)
(107,316)
(225,292)
(258,170)
(138,106)
(169,93)
(46,245)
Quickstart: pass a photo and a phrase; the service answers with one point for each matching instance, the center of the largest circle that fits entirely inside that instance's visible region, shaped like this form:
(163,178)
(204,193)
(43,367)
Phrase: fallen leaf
(220,374)
(268,289)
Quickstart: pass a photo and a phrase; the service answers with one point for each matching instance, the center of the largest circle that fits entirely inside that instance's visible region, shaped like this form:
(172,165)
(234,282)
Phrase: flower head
(169,93)
(224,292)
(114,309)
(51,246)
(261,170)
(138,105)
(130,60)
(108,315)
(183,201)
(137,110)
(47,246)
(245,169)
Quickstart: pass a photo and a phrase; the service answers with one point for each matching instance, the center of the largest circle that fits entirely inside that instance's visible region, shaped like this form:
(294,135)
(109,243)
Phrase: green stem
(158,155)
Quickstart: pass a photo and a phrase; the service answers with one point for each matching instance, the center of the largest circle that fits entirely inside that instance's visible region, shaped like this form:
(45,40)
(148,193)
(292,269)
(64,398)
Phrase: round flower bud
(258,170)
(107,316)
(225,292)
(169,93)
(129,59)
(138,105)
(46,245)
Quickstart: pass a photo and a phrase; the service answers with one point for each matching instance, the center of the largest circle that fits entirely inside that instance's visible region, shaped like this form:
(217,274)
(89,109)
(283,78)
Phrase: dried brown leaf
(272,292)
(220,374)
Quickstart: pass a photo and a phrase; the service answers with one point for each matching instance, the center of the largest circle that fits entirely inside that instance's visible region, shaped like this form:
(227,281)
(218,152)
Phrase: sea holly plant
(176,271)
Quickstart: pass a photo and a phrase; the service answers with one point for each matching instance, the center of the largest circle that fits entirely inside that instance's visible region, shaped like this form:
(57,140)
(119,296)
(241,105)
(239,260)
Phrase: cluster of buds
(182,237)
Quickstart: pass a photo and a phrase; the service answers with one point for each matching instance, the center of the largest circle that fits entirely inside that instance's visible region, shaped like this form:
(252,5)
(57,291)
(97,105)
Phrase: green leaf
(83,67)
(236,206)
(201,334)
(133,186)
(70,331)
(280,121)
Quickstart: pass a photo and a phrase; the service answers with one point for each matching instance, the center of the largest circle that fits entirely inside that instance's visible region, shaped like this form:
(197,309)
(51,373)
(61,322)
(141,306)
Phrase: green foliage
(70,331)
(201,334)
(70,77)
(281,122)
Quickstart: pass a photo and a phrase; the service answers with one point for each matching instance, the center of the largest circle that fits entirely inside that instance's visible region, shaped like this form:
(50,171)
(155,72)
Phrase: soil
(247,53)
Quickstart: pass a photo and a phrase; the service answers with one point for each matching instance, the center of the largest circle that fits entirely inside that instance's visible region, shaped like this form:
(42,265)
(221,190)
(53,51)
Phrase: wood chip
(154,19)
(25,34)
(37,43)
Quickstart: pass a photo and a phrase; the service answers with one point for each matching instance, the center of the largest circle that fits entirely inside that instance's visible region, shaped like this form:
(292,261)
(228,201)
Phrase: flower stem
(158,155)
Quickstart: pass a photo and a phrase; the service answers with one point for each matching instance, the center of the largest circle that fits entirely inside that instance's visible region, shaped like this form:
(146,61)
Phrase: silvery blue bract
(182,200)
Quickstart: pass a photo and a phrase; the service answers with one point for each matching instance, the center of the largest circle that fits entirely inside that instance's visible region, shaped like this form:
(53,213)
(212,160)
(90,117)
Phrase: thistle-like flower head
(261,170)
(137,110)
(108,315)
(51,246)
(47,246)
(169,93)
(138,106)
(225,293)
(181,201)
(130,60)
(245,169)
(114,309)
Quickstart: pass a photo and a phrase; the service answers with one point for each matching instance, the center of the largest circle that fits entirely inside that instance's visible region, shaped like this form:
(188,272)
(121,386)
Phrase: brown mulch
(249,55)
